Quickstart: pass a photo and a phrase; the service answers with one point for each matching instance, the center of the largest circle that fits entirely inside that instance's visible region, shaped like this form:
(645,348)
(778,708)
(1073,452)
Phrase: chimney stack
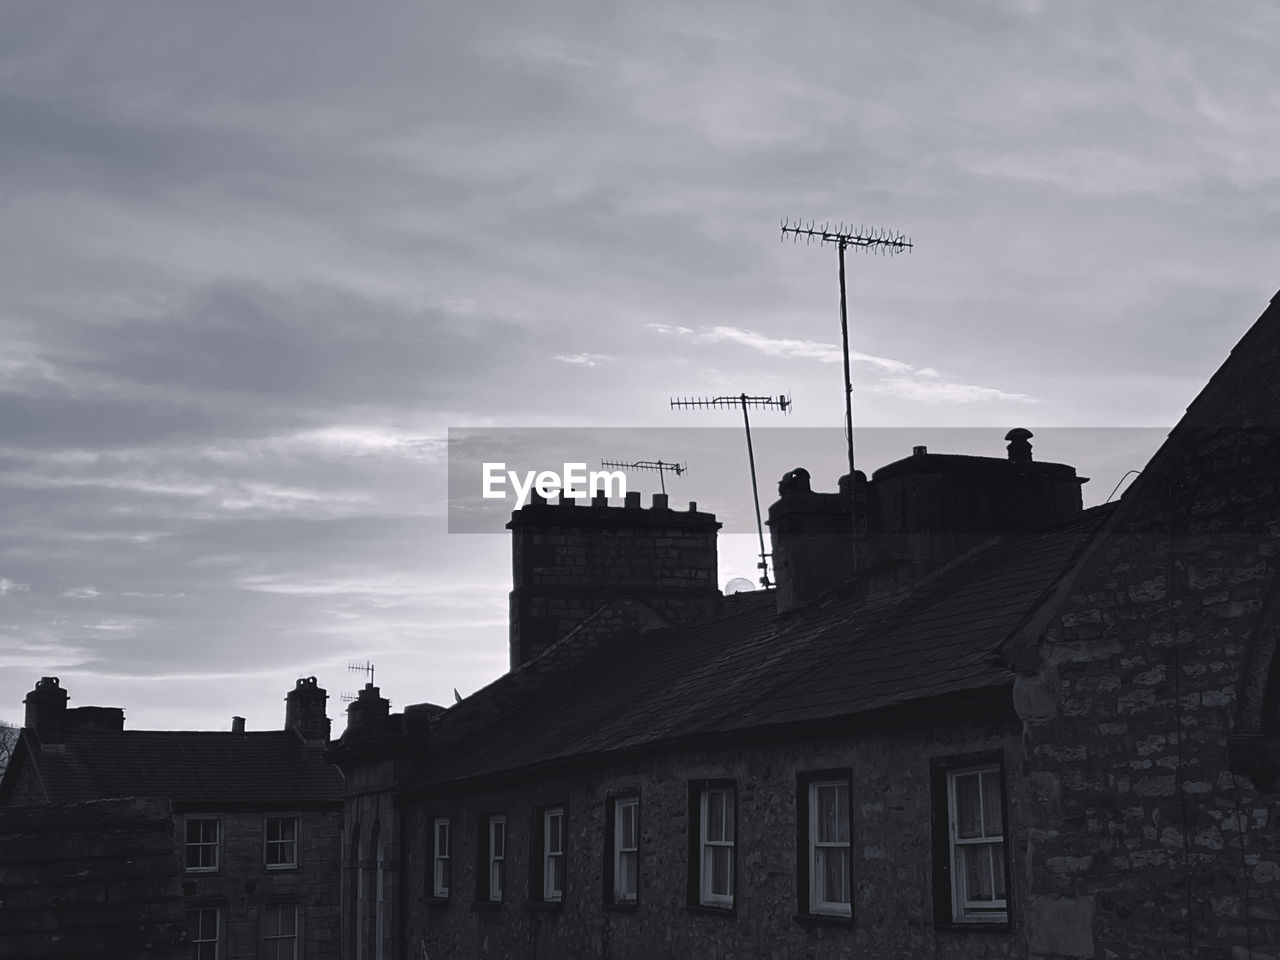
(568,561)
(47,710)
(237,724)
(366,711)
(305,710)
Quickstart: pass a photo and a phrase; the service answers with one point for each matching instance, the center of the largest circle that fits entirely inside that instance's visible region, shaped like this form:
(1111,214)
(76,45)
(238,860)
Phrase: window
(202,923)
(711,809)
(280,932)
(495,847)
(622,850)
(202,844)
(553,854)
(281,842)
(824,832)
(440,858)
(970,857)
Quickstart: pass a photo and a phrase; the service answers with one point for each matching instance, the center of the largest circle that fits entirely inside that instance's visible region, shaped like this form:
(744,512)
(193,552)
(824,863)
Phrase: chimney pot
(1019,449)
(632,500)
(660,501)
(237,724)
(919,451)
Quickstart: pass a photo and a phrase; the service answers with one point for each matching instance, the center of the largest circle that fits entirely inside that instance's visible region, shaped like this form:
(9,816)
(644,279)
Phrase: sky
(257,260)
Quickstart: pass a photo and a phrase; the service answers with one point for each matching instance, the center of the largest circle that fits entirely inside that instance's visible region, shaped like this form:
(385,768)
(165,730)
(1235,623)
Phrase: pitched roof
(209,768)
(755,670)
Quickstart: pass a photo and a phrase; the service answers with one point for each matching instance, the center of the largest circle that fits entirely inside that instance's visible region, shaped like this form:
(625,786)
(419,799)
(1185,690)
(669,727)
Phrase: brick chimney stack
(569,559)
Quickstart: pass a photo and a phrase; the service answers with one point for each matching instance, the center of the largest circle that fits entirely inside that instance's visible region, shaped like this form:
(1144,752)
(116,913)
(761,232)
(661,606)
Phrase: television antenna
(679,469)
(746,402)
(366,668)
(871,239)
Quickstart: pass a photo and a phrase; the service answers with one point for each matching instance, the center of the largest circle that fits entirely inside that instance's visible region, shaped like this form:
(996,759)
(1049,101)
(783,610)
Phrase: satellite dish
(739,585)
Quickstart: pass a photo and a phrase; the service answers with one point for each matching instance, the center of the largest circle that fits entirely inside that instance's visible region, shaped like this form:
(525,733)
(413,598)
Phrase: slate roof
(753,670)
(267,768)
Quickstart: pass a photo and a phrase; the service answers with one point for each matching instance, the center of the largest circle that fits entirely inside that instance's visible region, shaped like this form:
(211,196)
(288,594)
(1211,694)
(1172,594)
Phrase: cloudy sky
(256,259)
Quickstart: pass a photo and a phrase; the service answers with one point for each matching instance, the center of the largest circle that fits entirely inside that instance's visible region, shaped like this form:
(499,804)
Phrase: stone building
(256,816)
(974,719)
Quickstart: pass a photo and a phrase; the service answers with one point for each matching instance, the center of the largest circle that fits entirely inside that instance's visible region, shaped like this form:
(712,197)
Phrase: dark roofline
(991,696)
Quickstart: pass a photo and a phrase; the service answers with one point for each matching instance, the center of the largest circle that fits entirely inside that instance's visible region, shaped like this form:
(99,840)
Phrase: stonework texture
(92,881)
(891,853)
(243,886)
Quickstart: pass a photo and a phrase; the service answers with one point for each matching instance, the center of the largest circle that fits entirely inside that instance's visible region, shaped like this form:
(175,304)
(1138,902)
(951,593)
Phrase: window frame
(545,881)
(491,861)
(950,909)
(195,939)
(294,842)
(702,847)
(188,845)
(441,863)
(277,938)
(809,907)
(614,895)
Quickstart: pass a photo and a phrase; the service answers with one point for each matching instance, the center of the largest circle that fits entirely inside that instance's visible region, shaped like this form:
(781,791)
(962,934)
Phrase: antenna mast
(357,667)
(660,465)
(875,240)
(782,403)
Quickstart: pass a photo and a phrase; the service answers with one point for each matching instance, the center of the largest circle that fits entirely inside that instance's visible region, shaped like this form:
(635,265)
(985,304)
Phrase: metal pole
(848,381)
(755,492)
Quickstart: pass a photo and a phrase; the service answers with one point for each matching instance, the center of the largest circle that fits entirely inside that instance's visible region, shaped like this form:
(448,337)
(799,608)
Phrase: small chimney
(305,711)
(366,711)
(1019,449)
(47,710)
(812,539)
(237,724)
(919,451)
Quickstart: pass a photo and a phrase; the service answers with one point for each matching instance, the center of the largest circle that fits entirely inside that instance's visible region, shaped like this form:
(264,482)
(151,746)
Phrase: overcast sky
(257,258)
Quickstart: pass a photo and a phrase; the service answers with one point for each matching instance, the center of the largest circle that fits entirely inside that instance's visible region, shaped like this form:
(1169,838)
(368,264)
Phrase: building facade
(256,816)
(974,719)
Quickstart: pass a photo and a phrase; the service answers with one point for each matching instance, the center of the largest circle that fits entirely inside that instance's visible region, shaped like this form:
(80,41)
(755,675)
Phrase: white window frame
(196,939)
(964,909)
(624,853)
(818,903)
(710,847)
(201,845)
(497,857)
(280,936)
(284,845)
(441,840)
(553,854)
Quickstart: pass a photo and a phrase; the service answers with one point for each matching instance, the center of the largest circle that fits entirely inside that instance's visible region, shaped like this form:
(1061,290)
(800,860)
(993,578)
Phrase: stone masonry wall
(91,881)
(1142,841)
(891,849)
(243,886)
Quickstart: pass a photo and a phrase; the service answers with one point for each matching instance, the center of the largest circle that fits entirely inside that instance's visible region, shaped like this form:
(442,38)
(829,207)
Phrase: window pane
(721,870)
(992,813)
(715,815)
(499,838)
(968,806)
(833,874)
(833,813)
(976,864)
(997,869)
(626,876)
(627,813)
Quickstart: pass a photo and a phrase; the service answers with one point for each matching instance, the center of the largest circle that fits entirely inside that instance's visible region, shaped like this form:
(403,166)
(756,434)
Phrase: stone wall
(891,850)
(1143,840)
(244,886)
(93,881)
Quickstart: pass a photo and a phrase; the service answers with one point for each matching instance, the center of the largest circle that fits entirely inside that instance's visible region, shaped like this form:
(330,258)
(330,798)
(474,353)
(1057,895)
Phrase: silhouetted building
(257,816)
(995,724)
